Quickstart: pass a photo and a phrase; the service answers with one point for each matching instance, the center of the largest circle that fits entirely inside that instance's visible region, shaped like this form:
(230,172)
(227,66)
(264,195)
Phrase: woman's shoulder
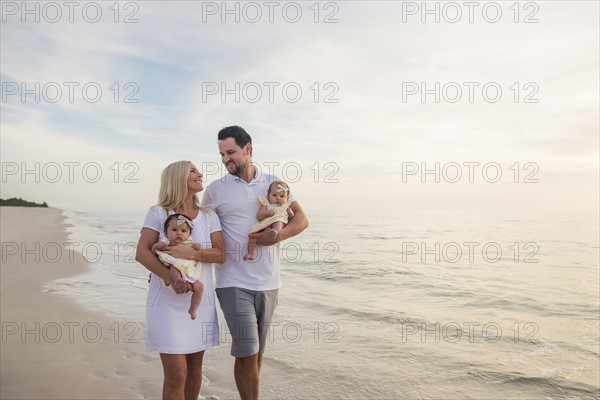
(158,211)
(208,218)
(156,208)
(205,213)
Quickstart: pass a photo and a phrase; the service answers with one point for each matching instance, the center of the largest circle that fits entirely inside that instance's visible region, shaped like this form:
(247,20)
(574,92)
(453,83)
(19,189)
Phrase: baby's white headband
(182,219)
(281,188)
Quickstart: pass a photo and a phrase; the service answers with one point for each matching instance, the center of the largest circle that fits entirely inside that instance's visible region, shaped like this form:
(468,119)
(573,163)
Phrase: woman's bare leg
(175,375)
(193,382)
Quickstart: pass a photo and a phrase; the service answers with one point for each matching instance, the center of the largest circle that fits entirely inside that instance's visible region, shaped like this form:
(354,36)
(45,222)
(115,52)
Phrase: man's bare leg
(246,376)
(259,361)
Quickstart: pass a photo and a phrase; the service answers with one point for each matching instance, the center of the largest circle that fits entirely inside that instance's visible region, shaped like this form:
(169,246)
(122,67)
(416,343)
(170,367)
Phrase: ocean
(411,305)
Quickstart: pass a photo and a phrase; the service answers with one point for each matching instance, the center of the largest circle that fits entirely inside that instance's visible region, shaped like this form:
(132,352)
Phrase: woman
(180,340)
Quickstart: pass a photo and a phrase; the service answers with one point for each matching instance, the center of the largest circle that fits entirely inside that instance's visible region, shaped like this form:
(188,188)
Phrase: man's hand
(267,237)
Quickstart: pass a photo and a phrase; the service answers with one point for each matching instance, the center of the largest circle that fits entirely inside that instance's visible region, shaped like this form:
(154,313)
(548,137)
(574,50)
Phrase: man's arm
(294,227)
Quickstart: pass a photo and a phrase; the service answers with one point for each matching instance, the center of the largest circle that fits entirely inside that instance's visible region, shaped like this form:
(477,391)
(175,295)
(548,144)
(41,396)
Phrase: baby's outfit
(190,269)
(280,214)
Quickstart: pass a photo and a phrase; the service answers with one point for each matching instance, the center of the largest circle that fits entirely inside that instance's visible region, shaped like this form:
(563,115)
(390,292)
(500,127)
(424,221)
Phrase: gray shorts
(248,314)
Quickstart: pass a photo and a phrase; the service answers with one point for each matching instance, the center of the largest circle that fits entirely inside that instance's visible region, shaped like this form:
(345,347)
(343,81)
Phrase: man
(247,290)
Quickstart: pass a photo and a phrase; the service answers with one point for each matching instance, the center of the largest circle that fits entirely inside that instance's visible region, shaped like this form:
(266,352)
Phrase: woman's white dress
(169,328)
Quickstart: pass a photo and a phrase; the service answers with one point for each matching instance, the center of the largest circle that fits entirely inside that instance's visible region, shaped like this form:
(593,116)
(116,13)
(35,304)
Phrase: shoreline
(52,347)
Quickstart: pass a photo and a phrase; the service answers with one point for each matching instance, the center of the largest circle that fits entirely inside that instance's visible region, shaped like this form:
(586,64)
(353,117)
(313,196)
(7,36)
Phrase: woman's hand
(183,287)
(182,251)
(214,254)
(158,246)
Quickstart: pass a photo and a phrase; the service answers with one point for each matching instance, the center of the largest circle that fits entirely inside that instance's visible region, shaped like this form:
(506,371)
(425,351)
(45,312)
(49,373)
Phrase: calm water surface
(422,304)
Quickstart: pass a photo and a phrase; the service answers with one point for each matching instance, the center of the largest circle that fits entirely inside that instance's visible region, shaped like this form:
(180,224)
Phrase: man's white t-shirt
(235,202)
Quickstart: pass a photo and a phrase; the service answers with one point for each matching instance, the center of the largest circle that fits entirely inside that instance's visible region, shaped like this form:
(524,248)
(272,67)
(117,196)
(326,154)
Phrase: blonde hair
(173,186)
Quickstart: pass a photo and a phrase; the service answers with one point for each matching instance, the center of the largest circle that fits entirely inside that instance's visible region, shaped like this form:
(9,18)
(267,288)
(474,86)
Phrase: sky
(358,105)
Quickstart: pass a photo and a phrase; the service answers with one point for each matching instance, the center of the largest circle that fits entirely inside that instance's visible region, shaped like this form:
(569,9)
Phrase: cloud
(165,61)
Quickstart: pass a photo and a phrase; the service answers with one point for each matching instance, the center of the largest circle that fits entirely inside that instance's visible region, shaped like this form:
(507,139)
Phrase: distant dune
(19,202)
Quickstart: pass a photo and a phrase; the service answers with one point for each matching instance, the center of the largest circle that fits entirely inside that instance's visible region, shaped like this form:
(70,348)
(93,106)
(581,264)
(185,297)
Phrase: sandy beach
(52,348)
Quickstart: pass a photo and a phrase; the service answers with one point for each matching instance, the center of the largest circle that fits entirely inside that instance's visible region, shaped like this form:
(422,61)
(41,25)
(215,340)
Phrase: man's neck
(248,173)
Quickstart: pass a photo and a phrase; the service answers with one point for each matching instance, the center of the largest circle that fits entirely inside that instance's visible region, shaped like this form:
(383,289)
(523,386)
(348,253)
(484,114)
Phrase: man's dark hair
(238,133)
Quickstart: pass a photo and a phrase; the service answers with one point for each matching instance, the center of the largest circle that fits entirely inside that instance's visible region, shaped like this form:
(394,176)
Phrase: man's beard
(237,171)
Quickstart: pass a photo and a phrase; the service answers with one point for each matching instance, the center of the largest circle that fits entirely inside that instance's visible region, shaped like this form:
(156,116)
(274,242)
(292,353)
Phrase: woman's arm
(214,255)
(147,258)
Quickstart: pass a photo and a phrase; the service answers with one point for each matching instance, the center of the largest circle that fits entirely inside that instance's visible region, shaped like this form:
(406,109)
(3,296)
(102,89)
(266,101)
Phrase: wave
(520,303)
(548,386)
